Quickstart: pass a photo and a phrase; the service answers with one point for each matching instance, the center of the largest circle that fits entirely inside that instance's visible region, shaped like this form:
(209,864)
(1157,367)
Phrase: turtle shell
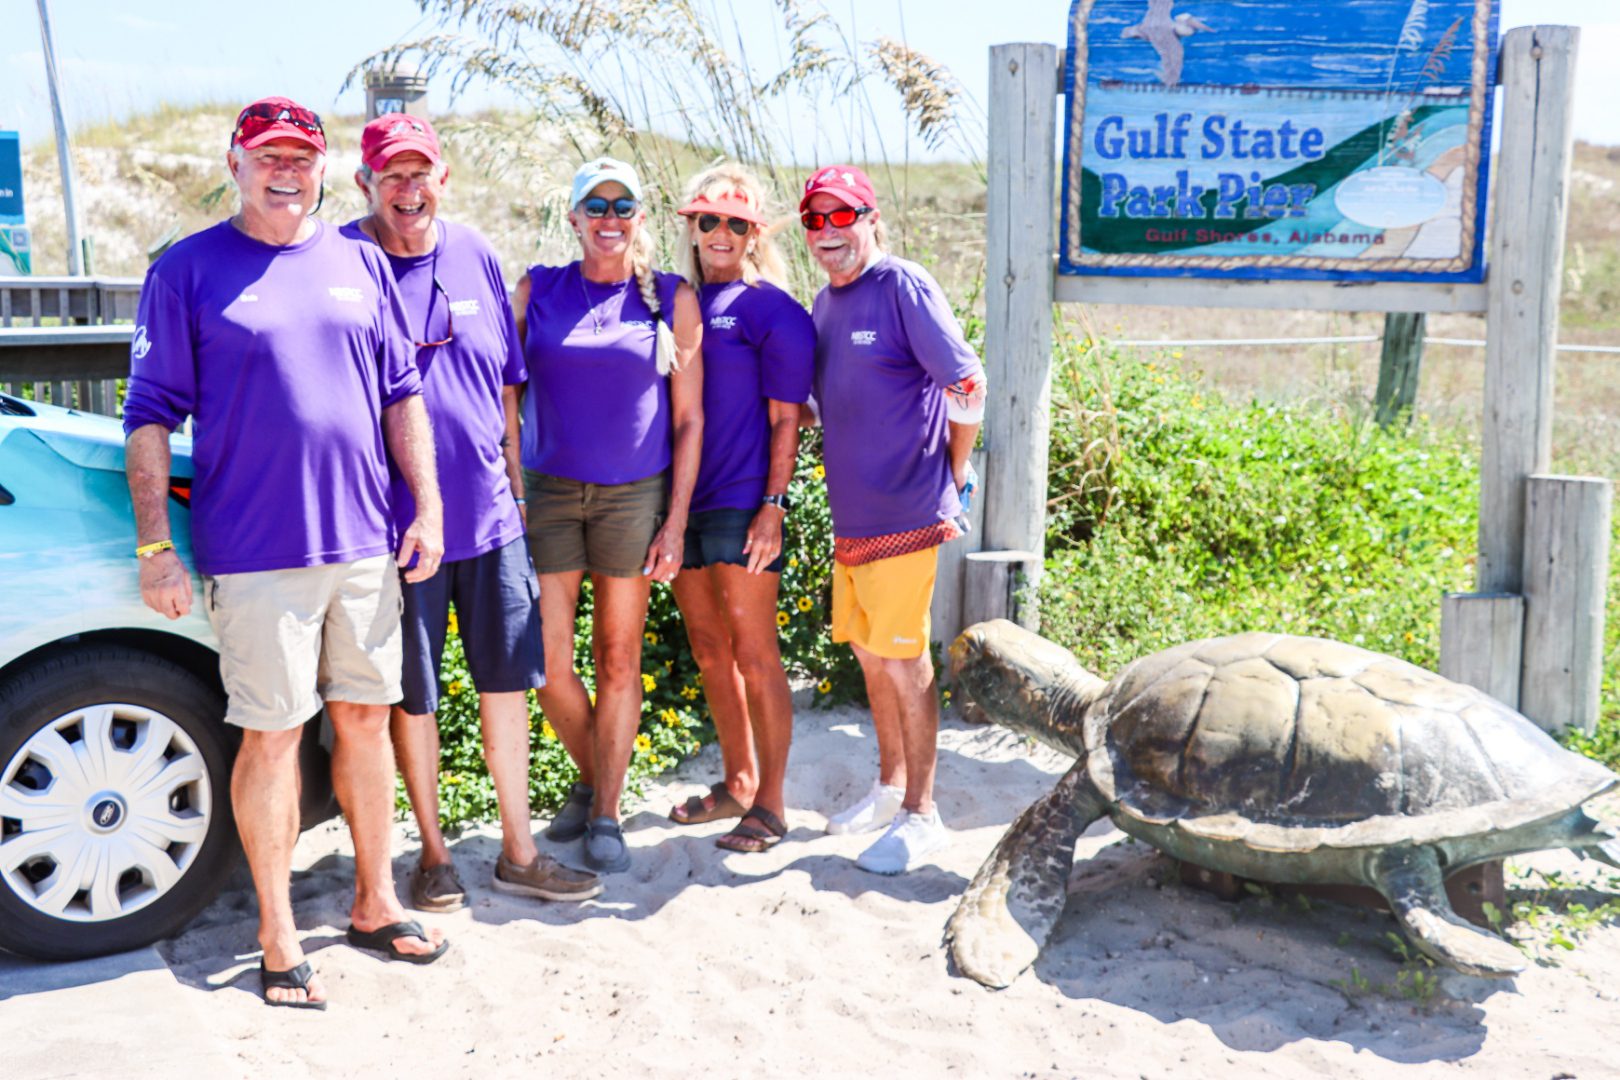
(1292,743)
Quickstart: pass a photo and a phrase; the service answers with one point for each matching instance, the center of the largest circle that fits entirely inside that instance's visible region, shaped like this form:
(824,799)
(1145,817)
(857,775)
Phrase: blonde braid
(641,264)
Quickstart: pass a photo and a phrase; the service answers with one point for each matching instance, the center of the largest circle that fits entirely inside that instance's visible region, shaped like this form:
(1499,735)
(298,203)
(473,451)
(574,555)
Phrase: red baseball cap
(846,182)
(395,133)
(277,118)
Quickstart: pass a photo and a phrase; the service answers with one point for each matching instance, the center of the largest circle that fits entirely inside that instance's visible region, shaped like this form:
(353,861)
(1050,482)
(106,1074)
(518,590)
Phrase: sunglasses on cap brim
(842,218)
(597,207)
(257,119)
(707,223)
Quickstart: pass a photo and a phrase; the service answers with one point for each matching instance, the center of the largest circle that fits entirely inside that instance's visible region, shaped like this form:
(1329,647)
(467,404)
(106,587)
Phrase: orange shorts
(882,606)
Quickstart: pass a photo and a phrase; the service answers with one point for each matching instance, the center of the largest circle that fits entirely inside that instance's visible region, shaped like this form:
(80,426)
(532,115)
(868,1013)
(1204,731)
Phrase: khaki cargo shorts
(290,640)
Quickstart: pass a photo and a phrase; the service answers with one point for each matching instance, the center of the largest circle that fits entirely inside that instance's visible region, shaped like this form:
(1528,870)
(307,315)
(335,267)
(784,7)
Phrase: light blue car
(115,818)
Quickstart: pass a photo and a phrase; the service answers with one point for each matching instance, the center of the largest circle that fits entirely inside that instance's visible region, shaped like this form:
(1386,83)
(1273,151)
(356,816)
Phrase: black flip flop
(382,940)
(292,979)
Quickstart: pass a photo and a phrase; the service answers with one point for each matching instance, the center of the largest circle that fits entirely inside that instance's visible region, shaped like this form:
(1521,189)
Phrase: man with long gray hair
(287,342)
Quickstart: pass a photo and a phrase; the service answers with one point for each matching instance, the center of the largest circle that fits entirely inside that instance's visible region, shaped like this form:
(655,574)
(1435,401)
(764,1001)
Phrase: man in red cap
(890,357)
(287,342)
(471,363)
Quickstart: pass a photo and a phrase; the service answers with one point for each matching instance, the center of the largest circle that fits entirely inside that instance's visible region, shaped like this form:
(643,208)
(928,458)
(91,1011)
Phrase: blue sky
(119,58)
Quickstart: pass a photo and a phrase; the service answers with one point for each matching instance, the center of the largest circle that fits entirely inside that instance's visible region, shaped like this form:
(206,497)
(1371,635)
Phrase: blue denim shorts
(497,614)
(718,536)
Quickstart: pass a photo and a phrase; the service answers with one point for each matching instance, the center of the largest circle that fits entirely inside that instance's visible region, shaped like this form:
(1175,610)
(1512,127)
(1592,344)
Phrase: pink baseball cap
(395,133)
(727,204)
(846,182)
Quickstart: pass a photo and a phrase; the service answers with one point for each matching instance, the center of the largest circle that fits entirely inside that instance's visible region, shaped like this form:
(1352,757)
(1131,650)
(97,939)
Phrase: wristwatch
(781,502)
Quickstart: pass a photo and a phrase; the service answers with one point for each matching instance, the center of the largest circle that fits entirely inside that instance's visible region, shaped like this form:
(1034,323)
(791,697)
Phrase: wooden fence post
(1021,237)
(1399,366)
(1566,577)
(945,614)
(1481,640)
(1526,269)
(997,585)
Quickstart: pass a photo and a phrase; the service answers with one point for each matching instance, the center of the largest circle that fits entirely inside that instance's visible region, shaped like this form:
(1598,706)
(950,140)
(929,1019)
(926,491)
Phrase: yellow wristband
(146,551)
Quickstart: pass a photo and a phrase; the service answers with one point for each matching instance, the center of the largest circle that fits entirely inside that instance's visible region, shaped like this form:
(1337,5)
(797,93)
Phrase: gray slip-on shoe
(569,824)
(605,849)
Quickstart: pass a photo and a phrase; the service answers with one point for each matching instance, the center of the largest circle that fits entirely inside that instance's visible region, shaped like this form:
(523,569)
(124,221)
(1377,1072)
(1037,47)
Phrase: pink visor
(727,205)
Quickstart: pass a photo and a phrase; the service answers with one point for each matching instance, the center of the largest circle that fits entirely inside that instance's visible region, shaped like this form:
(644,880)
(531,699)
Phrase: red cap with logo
(277,118)
(846,182)
(395,133)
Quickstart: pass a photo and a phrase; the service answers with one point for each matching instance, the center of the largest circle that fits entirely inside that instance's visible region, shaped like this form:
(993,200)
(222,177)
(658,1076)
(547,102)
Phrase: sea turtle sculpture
(1285,759)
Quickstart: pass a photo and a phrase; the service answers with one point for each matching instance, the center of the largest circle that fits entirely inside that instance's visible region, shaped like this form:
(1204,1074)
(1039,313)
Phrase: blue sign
(1278,138)
(15,257)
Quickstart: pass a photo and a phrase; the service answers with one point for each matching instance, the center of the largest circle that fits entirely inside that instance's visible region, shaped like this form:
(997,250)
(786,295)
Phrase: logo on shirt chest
(345,293)
(464,308)
(863,337)
(637,324)
(723,322)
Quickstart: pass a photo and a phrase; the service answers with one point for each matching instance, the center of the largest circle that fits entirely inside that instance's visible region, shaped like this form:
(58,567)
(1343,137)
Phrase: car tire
(115,815)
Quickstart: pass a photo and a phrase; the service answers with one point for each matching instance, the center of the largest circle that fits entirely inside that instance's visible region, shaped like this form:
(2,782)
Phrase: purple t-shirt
(758,344)
(461,384)
(286,357)
(887,346)
(597,410)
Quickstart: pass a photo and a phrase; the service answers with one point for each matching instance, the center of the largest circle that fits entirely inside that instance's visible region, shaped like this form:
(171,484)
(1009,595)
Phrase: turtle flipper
(1608,853)
(1410,879)
(1017,896)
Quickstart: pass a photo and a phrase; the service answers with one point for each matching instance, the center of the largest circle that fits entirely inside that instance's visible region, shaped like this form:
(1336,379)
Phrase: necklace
(596,320)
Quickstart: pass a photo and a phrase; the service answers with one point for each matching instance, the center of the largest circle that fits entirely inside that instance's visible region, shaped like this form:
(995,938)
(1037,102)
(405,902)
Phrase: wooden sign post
(1532,634)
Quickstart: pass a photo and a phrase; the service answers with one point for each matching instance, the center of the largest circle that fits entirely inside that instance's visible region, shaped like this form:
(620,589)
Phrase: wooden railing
(67,338)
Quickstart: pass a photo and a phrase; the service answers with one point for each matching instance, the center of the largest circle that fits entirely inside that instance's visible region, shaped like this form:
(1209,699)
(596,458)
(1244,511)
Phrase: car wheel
(115,817)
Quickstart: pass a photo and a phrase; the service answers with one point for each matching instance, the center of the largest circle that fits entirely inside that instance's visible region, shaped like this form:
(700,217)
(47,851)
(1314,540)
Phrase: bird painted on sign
(1164,33)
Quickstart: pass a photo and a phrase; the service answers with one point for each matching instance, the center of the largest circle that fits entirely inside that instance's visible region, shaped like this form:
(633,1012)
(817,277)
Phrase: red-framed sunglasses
(842,218)
(262,116)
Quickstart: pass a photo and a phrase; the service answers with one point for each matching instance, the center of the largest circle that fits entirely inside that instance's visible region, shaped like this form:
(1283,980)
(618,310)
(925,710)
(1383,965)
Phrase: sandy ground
(794,963)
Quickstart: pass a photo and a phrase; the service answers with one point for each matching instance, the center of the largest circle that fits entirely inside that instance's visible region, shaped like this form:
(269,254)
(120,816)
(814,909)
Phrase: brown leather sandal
(717,805)
(748,837)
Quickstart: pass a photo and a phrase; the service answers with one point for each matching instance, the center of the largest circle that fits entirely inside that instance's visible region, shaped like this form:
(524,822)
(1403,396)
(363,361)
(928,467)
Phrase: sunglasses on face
(598,207)
(842,218)
(255,119)
(707,223)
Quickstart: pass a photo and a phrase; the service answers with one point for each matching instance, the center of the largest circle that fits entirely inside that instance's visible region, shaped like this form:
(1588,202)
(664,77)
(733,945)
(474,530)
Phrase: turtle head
(1025,682)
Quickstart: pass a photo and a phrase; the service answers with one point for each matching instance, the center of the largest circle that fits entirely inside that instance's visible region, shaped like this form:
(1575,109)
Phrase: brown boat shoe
(437,888)
(545,878)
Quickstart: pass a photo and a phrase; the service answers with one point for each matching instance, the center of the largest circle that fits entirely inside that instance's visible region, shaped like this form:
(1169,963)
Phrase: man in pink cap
(890,357)
(288,343)
(471,366)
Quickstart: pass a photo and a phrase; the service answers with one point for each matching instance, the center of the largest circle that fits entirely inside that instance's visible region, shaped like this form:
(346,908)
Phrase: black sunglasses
(449,316)
(597,207)
(842,218)
(707,223)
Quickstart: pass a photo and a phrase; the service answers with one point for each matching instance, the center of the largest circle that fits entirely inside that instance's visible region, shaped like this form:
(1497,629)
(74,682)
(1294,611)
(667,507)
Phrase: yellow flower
(793,560)
(824,686)
(593,697)
(782,618)
(690,693)
(669,665)
(1409,637)
(805,604)
(643,743)
(653,761)
(648,683)
(652,638)
(821,472)
(546,730)
(455,627)
(670,717)
(454,687)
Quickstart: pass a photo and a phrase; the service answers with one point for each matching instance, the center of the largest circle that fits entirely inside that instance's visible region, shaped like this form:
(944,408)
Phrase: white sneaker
(875,810)
(909,839)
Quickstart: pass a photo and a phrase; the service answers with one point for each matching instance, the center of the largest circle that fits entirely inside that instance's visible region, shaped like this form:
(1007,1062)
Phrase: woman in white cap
(759,353)
(613,426)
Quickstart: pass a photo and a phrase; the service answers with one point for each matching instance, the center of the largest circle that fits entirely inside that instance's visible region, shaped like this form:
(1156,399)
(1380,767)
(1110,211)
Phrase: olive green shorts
(603,528)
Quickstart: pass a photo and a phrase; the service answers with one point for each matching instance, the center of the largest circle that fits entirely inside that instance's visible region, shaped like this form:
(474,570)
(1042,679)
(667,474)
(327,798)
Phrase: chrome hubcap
(101,812)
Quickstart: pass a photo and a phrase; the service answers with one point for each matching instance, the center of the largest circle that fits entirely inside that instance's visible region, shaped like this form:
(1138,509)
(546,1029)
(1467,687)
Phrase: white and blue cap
(600,171)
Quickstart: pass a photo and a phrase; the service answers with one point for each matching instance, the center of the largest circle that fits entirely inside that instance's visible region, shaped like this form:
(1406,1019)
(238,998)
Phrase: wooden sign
(1278,138)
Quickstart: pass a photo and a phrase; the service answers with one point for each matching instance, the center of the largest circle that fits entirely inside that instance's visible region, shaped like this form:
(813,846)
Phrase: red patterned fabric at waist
(860,550)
